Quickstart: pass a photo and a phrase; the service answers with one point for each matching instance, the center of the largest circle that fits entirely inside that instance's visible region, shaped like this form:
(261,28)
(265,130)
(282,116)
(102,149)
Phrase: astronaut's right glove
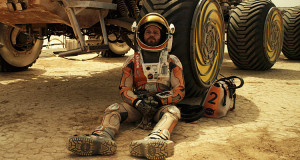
(145,108)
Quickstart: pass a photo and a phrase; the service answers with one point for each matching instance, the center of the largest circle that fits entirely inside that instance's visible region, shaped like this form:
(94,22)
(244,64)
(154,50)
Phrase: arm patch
(176,61)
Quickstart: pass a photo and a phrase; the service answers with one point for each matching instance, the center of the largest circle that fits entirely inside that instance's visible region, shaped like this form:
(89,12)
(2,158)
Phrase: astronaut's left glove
(153,101)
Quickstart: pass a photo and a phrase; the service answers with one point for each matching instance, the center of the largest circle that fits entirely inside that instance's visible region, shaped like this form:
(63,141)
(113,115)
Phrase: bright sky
(286,3)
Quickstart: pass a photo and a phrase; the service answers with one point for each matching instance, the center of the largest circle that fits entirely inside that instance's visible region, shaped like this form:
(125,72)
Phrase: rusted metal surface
(46,11)
(37,11)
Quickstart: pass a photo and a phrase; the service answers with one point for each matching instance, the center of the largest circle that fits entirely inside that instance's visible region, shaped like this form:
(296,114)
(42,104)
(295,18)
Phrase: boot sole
(87,146)
(154,149)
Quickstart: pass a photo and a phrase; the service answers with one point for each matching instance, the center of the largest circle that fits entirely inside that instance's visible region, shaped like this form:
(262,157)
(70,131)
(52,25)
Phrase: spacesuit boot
(100,142)
(158,144)
(97,143)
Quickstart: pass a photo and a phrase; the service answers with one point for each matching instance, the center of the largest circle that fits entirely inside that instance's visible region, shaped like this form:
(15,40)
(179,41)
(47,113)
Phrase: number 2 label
(214,96)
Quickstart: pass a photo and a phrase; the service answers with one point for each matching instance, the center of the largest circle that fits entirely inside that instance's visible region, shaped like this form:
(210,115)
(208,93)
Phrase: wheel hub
(274,36)
(209,45)
(21,42)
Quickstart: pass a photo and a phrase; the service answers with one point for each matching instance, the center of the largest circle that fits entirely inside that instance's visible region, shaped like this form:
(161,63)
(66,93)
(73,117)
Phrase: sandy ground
(56,98)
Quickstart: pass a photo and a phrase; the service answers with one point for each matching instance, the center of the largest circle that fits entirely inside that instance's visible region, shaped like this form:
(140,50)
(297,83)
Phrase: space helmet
(160,22)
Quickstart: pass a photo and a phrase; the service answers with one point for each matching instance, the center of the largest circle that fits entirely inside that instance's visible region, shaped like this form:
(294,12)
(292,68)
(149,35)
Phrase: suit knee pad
(116,107)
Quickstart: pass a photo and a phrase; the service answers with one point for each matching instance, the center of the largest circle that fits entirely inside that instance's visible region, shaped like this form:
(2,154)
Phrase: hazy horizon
(286,3)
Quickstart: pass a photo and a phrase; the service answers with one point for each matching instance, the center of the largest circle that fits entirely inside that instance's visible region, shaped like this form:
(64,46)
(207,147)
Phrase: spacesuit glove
(153,101)
(145,108)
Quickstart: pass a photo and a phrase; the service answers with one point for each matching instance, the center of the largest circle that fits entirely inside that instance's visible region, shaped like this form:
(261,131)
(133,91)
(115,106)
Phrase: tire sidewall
(14,57)
(192,59)
(270,12)
(119,48)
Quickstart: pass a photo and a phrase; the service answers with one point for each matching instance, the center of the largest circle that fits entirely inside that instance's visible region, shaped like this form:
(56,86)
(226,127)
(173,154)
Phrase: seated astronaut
(152,83)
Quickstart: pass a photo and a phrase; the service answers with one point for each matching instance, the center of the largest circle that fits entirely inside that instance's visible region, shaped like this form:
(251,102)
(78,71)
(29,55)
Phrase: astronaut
(152,83)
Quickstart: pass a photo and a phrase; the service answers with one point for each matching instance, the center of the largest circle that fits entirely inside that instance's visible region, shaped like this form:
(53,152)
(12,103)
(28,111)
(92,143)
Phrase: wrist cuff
(136,101)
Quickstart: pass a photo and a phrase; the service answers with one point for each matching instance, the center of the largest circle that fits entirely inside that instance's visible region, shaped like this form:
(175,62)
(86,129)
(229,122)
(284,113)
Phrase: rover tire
(17,51)
(255,35)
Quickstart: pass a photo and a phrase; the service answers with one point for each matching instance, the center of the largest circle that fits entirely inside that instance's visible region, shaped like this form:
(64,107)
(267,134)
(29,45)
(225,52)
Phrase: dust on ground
(56,98)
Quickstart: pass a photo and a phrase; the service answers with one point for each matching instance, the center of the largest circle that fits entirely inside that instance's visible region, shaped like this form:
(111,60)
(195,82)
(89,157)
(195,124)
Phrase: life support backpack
(221,97)
(219,100)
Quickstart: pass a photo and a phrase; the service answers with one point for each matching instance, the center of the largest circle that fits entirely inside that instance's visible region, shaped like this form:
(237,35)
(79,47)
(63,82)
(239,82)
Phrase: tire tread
(291,43)
(245,35)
